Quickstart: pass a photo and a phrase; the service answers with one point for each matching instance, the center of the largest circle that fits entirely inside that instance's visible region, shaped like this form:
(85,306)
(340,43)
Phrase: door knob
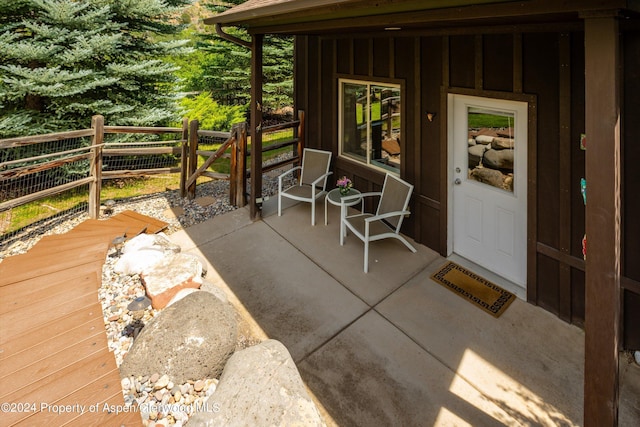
(457,181)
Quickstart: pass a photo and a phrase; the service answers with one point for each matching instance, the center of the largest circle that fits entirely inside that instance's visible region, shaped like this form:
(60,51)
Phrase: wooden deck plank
(127,419)
(60,359)
(111,412)
(11,295)
(45,349)
(60,383)
(80,318)
(25,322)
(154,225)
(88,399)
(22,267)
(53,243)
(54,292)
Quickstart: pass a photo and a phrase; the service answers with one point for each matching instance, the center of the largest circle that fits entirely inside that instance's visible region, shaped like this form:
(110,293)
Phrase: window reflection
(370,123)
(491,147)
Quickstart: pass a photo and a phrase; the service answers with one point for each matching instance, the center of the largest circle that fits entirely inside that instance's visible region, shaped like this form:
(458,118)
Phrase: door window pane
(491,147)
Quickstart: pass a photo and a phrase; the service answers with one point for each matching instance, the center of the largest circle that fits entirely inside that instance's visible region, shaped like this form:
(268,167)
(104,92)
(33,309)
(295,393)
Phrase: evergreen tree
(62,61)
(226,69)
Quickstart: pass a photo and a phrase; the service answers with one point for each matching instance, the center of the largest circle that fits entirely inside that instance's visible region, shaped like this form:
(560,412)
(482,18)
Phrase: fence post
(241,166)
(234,188)
(233,166)
(95,168)
(184,156)
(193,156)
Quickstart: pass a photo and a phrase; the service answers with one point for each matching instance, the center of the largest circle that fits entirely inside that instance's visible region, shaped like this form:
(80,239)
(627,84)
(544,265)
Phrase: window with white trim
(370,123)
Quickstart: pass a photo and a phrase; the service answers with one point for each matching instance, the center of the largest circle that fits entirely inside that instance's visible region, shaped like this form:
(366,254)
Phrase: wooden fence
(185,146)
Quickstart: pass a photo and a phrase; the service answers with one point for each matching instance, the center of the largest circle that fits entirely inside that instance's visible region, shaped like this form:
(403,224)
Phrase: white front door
(488,184)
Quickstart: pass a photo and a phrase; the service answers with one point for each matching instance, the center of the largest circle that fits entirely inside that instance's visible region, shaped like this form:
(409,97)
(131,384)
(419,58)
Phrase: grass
(222,165)
(77,198)
(493,121)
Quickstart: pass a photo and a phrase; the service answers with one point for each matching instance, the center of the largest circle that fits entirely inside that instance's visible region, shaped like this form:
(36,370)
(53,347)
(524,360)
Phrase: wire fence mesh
(135,152)
(33,168)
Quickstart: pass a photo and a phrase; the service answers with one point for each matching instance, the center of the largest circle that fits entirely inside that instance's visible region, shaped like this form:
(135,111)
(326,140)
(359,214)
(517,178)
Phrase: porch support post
(256,126)
(603,210)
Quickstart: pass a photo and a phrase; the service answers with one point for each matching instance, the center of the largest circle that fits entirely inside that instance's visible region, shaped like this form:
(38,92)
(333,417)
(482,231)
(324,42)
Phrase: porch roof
(317,16)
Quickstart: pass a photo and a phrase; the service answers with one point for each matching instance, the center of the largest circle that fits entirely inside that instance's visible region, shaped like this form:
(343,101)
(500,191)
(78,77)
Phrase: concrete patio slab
(629,413)
(373,375)
(391,263)
(292,299)
(504,358)
(208,231)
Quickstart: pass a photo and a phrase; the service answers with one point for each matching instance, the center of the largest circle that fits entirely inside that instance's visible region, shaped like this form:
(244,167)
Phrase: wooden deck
(53,344)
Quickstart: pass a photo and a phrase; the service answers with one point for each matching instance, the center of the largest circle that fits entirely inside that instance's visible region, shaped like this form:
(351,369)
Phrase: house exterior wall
(631,182)
(546,64)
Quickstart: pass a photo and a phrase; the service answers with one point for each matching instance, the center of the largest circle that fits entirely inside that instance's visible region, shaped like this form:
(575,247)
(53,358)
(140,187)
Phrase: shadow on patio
(392,347)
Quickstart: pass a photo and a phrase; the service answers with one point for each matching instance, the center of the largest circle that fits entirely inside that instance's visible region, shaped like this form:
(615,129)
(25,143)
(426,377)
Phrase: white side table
(335,198)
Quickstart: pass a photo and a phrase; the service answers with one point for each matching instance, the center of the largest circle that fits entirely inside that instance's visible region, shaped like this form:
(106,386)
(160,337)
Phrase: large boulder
(189,340)
(165,279)
(143,252)
(484,139)
(476,152)
(499,143)
(498,159)
(158,241)
(492,177)
(260,386)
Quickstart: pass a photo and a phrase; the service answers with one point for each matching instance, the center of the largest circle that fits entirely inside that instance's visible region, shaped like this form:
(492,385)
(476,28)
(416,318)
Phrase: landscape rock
(143,252)
(164,280)
(158,241)
(260,386)
(190,340)
(181,294)
(476,152)
(484,139)
(210,287)
(135,262)
(505,133)
(498,159)
(499,143)
(492,177)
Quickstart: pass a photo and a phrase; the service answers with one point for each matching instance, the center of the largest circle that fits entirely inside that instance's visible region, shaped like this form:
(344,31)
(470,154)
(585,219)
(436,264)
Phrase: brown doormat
(475,289)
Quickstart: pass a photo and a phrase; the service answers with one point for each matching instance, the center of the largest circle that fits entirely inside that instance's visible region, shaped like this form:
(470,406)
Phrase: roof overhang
(318,16)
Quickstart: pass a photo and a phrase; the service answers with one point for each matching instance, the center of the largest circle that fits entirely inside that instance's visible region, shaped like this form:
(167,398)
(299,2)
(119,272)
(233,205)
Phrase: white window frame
(368,83)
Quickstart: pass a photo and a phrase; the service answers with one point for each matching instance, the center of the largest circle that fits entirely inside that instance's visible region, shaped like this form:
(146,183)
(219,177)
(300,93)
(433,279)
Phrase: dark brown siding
(546,65)
(630,188)
(462,66)
(328,96)
(497,67)
(540,54)
(577,172)
(428,199)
